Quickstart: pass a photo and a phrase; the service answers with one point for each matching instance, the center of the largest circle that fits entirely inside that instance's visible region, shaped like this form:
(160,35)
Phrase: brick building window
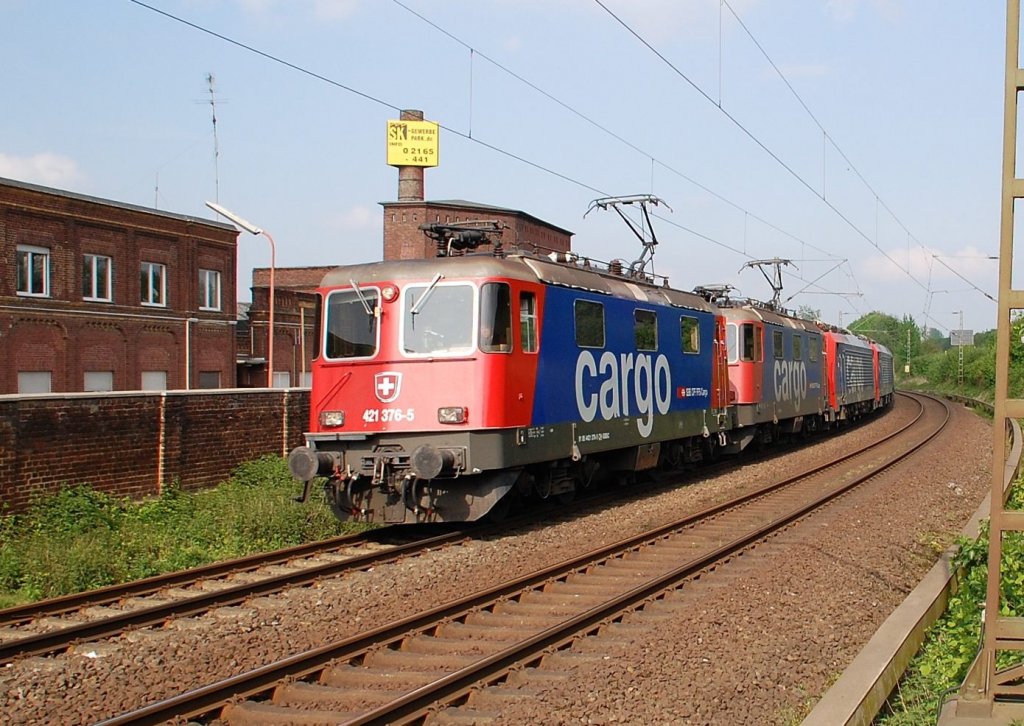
(209,379)
(154,284)
(209,290)
(33,381)
(33,271)
(154,380)
(98,381)
(96,276)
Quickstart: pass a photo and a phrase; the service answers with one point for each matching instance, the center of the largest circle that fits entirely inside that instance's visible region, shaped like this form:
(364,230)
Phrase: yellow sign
(412,143)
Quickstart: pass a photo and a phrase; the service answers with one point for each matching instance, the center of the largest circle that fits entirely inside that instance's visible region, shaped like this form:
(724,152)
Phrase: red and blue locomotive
(444,389)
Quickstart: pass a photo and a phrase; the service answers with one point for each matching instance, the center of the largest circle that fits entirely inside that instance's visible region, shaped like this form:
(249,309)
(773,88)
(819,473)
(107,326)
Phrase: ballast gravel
(755,643)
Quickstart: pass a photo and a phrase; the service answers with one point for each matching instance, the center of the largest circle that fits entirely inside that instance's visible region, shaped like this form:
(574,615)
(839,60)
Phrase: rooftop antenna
(210,80)
(644,231)
(775,280)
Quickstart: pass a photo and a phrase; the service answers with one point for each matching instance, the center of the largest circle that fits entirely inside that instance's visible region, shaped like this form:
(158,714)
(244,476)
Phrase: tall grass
(81,539)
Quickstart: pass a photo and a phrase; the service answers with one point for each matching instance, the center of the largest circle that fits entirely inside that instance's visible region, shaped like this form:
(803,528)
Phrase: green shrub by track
(952,642)
(81,539)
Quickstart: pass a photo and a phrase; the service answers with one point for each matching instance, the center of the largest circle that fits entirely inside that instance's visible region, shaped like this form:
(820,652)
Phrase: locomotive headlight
(389,293)
(451,415)
(332,418)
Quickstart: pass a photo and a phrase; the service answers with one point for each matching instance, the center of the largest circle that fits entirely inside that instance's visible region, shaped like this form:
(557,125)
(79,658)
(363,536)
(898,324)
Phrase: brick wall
(404,240)
(131,444)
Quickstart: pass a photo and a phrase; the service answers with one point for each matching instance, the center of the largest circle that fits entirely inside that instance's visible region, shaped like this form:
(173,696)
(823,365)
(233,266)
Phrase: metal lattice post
(985,689)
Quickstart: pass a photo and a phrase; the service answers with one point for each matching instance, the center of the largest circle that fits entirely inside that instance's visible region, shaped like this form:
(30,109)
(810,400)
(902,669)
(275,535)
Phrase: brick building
(403,238)
(96,295)
(295,327)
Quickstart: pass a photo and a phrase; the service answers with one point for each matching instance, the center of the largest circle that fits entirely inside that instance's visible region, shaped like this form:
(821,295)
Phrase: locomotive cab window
(813,348)
(437,319)
(645,329)
(589,317)
(750,343)
(351,328)
(689,330)
(495,318)
(798,347)
(528,322)
(743,343)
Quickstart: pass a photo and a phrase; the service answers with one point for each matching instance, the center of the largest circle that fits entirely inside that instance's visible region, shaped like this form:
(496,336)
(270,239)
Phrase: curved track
(402,671)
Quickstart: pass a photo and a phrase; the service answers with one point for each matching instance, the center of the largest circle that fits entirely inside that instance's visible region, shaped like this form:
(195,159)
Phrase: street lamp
(253,229)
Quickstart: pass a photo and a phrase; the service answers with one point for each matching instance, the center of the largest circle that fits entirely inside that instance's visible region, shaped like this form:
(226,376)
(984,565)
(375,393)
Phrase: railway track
(471,655)
(49,626)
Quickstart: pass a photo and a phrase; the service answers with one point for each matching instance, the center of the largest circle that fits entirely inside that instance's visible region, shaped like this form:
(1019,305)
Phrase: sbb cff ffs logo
(387,386)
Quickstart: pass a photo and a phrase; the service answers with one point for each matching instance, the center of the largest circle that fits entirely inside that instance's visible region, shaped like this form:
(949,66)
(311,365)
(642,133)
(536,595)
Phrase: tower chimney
(410,178)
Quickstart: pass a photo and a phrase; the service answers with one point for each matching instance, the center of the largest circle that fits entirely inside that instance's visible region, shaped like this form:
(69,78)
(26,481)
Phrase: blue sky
(887,155)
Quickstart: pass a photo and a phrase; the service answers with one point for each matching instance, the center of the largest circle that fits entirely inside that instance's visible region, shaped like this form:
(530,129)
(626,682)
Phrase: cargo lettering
(626,383)
(790,381)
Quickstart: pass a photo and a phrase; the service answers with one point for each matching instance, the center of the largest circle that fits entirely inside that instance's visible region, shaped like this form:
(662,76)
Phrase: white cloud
(45,168)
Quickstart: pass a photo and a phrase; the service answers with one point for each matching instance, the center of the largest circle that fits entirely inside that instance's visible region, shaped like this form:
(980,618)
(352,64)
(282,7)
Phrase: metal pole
(270,332)
(253,229)
(302,343)
(188,352)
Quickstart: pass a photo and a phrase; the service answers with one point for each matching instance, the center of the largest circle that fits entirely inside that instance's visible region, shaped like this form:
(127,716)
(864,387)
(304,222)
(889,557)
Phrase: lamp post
(253,229)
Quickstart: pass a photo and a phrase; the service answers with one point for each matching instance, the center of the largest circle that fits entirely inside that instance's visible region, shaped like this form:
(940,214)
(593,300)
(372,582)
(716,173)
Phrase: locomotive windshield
(351,330)
(442,324)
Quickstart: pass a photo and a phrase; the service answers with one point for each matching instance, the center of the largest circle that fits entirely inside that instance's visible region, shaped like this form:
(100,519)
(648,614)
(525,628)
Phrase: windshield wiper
(362,298)
(426,294)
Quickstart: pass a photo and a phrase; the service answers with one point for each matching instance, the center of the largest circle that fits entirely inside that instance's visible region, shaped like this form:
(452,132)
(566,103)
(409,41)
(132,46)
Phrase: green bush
(953,641)
(81,539)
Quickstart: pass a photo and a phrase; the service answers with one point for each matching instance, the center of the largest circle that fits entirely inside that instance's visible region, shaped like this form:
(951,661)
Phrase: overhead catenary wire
(796,175)
(475,139)
(476,52)
(364,95)
(832,140)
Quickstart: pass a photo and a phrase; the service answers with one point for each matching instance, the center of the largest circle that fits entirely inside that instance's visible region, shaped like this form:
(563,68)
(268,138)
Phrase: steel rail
(206,699)
(112,593)
(49,642)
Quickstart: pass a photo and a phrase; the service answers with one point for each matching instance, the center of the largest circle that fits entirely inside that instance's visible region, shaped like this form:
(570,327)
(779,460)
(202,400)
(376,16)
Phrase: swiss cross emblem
(387,386)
